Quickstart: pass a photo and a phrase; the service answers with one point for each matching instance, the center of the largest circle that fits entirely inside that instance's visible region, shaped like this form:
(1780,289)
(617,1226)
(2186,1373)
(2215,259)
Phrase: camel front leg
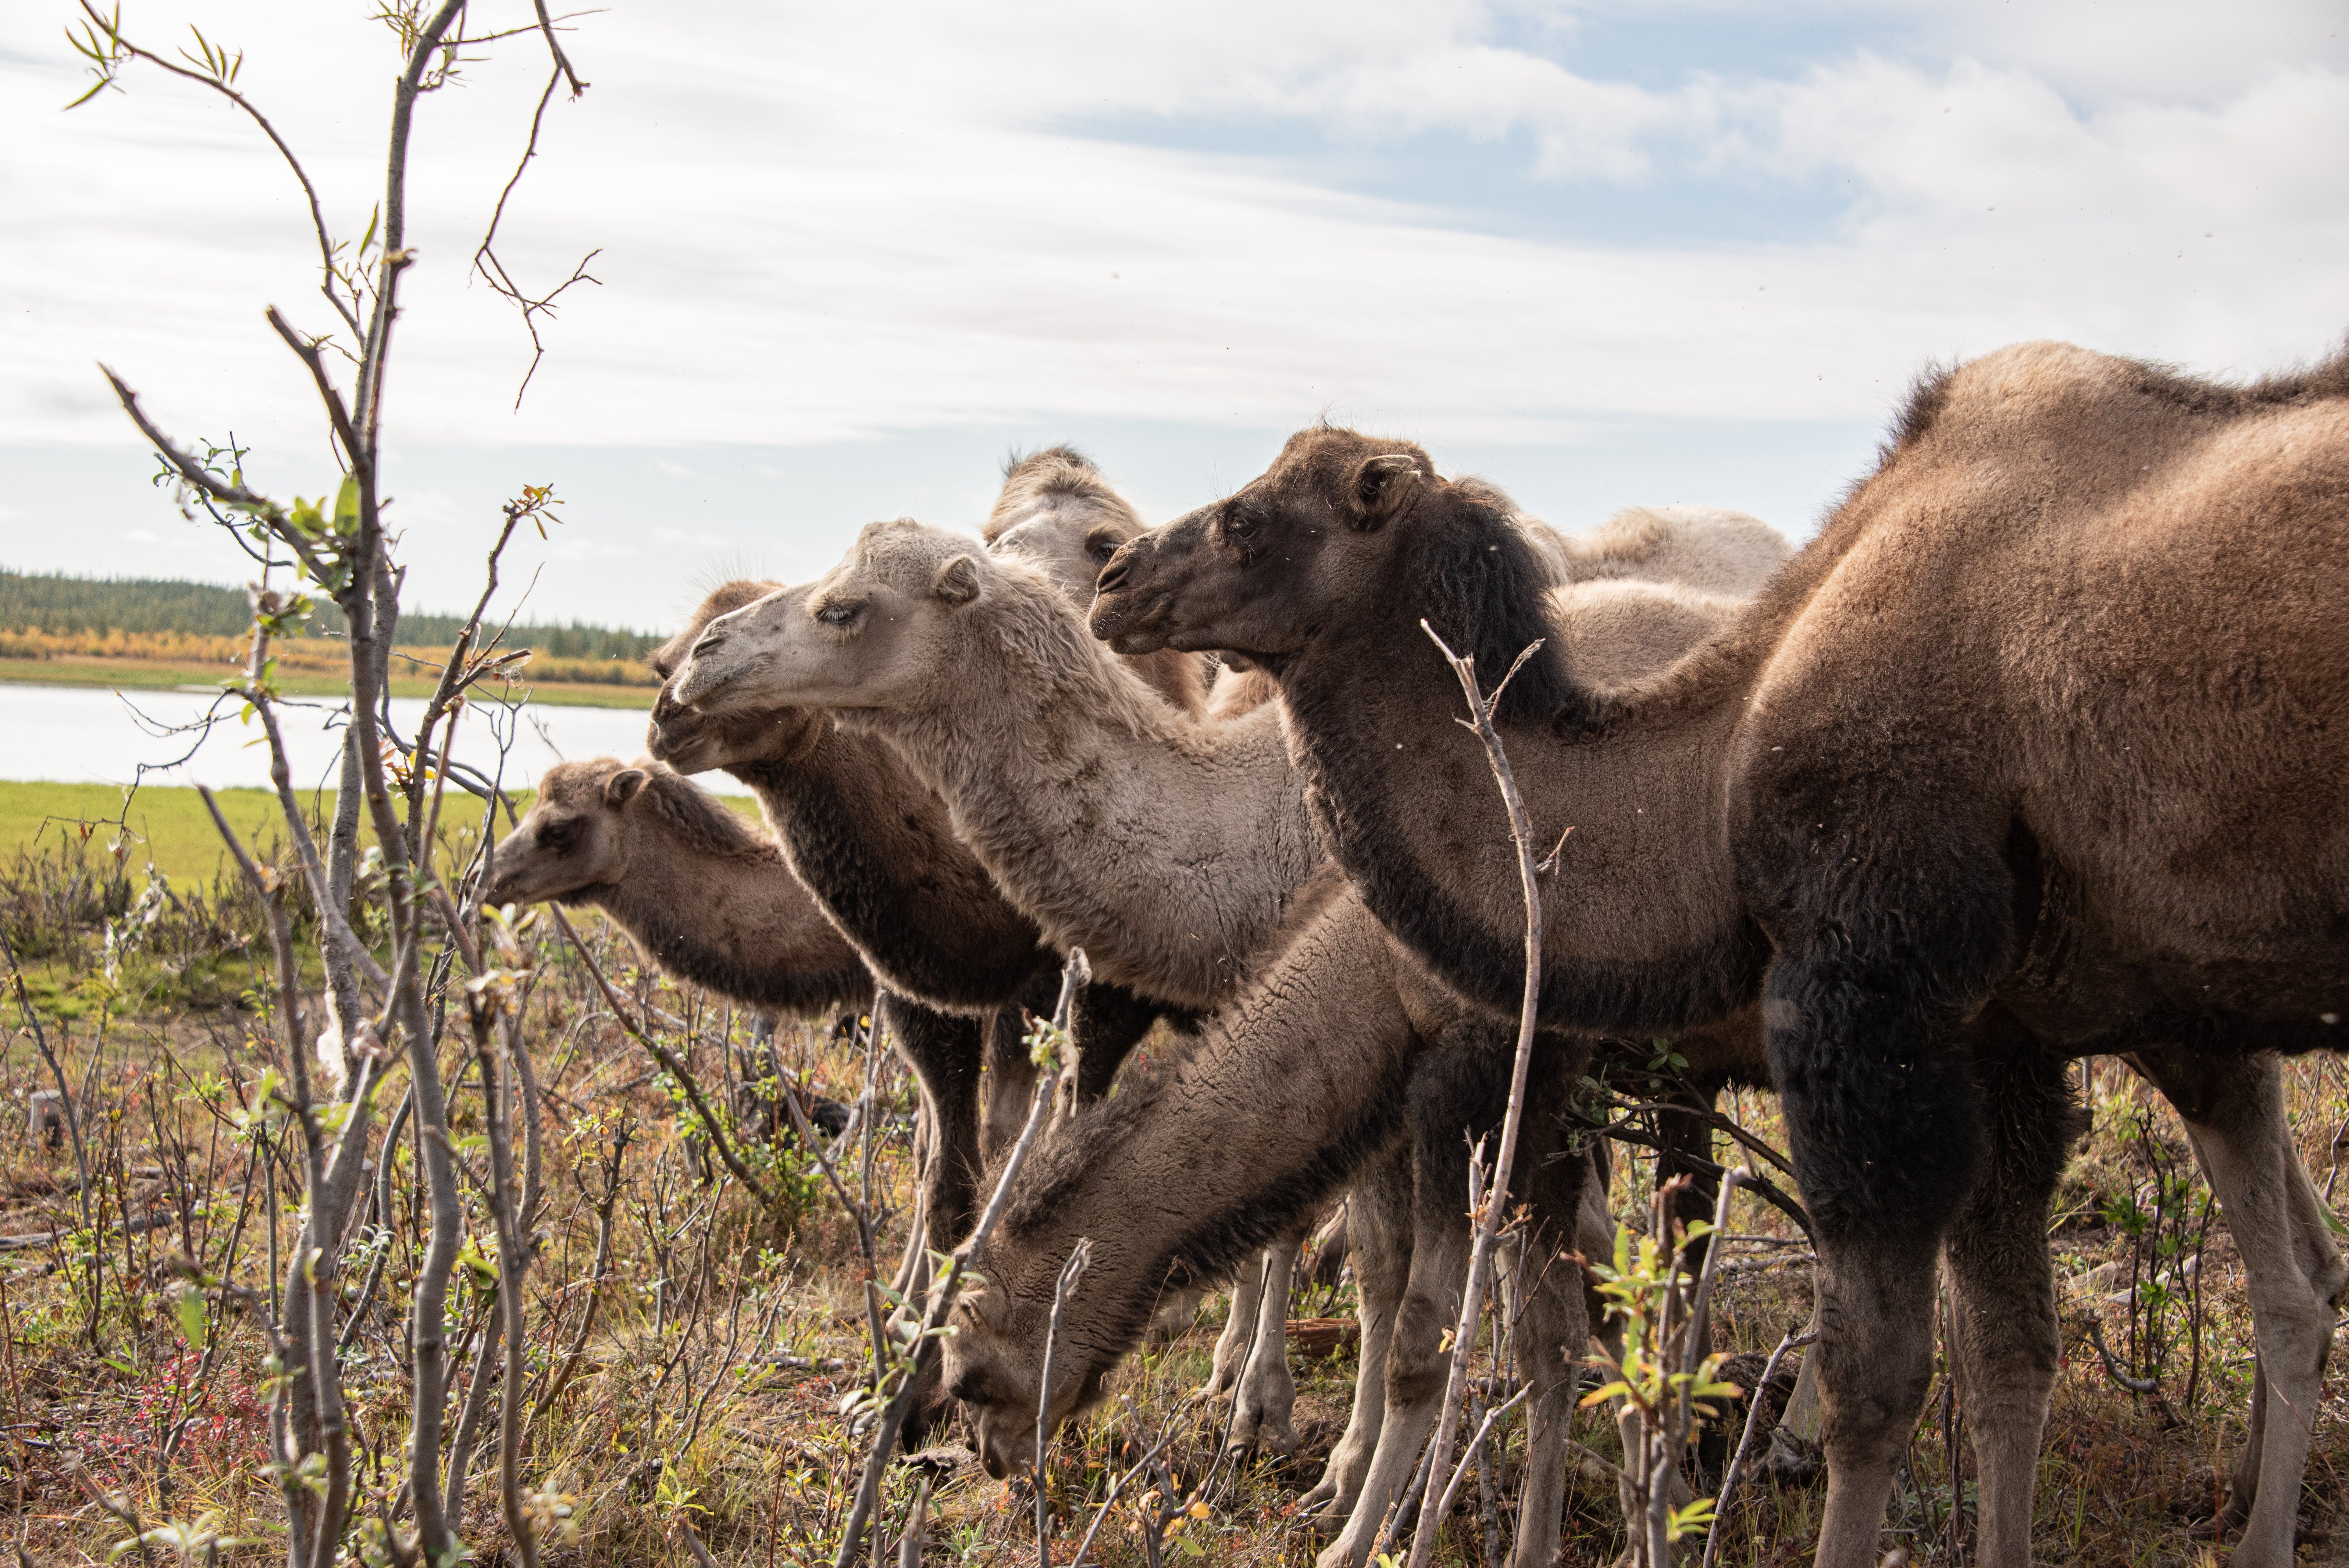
(1266,1394)
(2002,1289)
(1886,1126)
(1378,1238)
(1010,1082)
(2294,1272)
(1416,1370)
(1552,1333)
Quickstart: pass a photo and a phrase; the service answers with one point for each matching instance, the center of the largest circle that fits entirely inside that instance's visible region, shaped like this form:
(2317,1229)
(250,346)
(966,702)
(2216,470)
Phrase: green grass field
(149,674)
(173,826)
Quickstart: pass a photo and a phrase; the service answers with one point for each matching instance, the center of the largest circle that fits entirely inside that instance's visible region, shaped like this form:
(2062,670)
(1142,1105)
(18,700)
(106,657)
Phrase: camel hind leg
(2233,1110)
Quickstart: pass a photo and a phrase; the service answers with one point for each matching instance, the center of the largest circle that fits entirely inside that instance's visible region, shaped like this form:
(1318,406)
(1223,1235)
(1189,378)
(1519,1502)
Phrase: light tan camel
(912,604)
(2052,714)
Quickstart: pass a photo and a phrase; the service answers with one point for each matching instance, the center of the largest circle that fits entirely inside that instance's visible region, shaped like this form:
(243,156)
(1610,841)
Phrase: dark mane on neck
(1483,583)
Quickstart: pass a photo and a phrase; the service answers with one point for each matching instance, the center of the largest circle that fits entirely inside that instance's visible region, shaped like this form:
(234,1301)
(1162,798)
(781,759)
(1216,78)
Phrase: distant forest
(30,602)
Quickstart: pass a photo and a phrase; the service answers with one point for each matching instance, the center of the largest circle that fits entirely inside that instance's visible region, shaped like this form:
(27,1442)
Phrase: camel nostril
(1112,576)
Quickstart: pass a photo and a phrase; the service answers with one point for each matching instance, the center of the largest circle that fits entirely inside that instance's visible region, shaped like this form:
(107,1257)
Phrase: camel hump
(1711,548)
(1617,633)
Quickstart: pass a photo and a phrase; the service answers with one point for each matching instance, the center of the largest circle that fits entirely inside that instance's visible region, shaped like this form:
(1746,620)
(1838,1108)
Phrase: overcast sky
(849,254)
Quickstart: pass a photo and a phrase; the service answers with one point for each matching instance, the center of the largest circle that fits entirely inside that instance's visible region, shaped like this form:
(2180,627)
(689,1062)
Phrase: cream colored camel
(2051,716)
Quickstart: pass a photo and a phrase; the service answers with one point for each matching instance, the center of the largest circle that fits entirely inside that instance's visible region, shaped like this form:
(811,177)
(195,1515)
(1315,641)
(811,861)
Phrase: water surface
(87,735)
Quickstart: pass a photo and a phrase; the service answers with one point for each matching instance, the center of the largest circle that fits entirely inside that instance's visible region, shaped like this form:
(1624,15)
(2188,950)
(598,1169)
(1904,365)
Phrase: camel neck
(874,848)
(736,924)
(1643,931)
(1167,846)
(1306,1073)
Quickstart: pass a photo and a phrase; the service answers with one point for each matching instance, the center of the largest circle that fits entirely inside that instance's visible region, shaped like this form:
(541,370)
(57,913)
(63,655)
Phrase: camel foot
(1263,1432)
(1792,1460)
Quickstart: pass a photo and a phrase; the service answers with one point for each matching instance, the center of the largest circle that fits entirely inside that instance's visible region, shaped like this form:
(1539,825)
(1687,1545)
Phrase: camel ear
(957,581)
(621,787)
(1382,487)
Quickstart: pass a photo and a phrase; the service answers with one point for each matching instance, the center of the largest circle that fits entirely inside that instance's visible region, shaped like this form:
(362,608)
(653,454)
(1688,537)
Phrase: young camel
(1027,684)
(2052,715)
(700,893)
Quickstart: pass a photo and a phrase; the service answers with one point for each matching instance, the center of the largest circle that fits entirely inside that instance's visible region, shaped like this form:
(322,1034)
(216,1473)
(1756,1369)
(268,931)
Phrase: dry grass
(707,1394)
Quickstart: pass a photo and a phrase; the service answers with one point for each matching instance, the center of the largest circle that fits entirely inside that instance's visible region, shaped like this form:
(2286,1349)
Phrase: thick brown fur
(2054,713)
(702,893)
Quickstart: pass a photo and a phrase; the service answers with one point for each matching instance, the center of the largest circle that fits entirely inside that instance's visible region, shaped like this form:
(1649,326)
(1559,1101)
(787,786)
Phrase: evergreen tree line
(56,602)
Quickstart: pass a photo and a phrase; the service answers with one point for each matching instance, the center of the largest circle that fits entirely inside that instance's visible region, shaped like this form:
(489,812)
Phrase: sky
(848,256)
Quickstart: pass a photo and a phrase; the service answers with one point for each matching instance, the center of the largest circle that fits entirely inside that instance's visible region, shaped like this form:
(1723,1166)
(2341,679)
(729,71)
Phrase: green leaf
(191,1306)
(346,508)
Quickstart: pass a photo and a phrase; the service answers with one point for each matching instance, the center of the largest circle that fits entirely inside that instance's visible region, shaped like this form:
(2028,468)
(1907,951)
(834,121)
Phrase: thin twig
(1488,1223)
(1730,1479)
(1080,1258)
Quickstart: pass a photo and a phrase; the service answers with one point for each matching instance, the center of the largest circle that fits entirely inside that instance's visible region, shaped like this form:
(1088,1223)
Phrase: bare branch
(1495,1195)
(554,47)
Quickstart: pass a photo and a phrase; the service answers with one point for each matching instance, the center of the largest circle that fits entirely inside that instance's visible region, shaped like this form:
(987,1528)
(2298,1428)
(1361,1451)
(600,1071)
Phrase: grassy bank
(171,828)
(150,675)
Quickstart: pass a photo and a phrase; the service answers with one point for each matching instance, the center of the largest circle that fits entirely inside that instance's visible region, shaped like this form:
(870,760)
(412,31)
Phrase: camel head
(877,631)
(1344,537)
(1247,575)
(575,836)
(993,1360)
(692,742)
(1059,514)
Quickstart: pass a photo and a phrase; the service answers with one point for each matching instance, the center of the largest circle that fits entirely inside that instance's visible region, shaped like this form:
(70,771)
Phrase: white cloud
(141,536)
(820,224)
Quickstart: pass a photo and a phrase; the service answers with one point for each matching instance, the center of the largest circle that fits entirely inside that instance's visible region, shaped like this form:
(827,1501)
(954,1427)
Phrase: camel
(1060,514)
(2047,721)
(874,846)
(975,667)
(699,892)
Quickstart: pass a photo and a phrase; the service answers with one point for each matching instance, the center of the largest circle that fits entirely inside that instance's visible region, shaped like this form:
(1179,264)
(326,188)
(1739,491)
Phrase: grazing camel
(980,673)
(2054,714)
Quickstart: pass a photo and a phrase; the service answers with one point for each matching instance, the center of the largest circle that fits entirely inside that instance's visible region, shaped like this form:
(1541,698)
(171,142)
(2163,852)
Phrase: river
(87,735)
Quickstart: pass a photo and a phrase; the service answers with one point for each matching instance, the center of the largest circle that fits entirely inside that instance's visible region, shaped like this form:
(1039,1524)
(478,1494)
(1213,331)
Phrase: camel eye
(558,835)
(839,613)
(1241,528)
(1101,548)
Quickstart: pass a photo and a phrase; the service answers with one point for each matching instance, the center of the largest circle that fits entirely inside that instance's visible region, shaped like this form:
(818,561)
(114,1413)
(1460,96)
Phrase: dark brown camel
(2053,714)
